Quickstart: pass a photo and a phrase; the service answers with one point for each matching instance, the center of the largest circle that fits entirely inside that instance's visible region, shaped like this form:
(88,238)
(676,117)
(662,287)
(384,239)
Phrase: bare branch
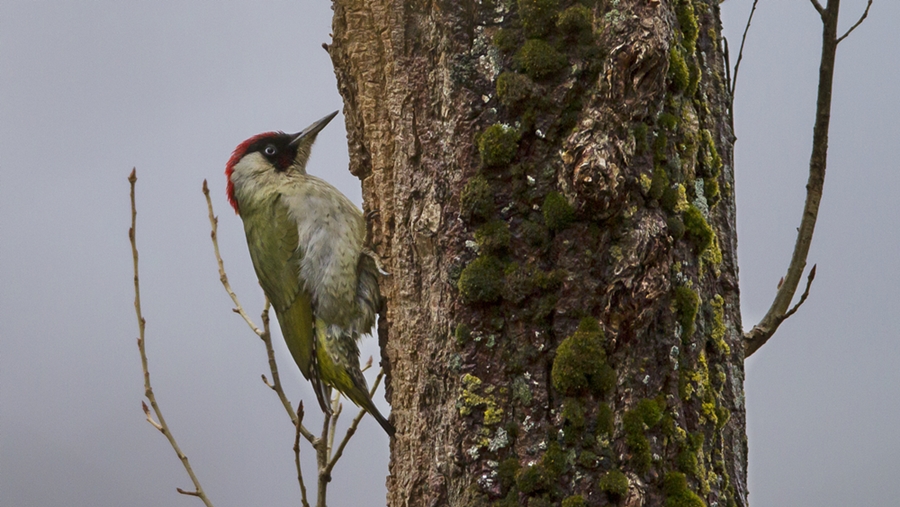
(214,224)
(778,311)
(737,64)
(160,422)
(297,454)
(859,22)
(322,451)
(818,7)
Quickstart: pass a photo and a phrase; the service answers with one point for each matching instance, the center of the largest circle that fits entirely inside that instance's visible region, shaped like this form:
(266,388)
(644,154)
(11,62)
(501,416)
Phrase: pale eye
(270,150)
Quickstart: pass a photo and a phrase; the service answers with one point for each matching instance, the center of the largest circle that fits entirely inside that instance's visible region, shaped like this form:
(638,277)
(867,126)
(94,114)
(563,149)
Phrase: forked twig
(778,311)
(263,333)
(160,422)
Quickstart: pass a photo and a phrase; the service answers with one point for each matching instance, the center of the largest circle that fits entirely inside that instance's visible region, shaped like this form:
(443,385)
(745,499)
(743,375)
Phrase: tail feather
(338,359)
(323,391)
(388,427)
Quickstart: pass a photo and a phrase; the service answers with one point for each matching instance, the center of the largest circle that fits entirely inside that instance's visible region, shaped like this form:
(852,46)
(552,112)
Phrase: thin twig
(322,451)
(214,224)
(737,64)
(727,66)
(809,281)
(160,422)
(859,22)
(297,454)
(352,429)
(336,407)
(264,333)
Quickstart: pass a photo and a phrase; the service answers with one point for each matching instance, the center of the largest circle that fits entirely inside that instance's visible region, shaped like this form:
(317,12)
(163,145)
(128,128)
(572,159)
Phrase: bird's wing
(273,240)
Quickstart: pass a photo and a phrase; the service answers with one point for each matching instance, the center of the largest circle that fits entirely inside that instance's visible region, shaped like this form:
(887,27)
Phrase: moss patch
(538,16)
(506,473)
(539,59)
(712,162)
(698,228)
(674,199)
(574,501)
(531,479)
(554,461)
(580,363)
(462,334)
(687,303)
(711,191)
(575,22)
(641,145)
(678,70)
(659,183)
(497,145)
(675,227)
(677,492)
(668,121)
(523,281)
(558,213)
(605,419)
(493,237)
(482,280)
(506,40)
(573,413)
(687,21)
(477,199)
(717,335)
(534,233)
(614,483)
(513,88)
(644,416)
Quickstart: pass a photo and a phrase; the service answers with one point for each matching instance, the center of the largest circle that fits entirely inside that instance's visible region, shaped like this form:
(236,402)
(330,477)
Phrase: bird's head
(271,156)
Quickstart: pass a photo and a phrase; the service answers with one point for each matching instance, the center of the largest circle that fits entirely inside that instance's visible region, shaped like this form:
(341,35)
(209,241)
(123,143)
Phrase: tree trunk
(554,194)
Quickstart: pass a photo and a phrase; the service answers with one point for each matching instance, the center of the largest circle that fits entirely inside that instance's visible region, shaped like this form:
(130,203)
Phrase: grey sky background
(90,89)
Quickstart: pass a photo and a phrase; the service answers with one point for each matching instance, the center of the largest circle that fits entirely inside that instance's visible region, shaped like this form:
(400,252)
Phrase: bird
(307,245)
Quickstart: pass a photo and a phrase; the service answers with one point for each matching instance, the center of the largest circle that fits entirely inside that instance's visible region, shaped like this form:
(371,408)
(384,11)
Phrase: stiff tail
(388,427)
(338,361)
(323,391)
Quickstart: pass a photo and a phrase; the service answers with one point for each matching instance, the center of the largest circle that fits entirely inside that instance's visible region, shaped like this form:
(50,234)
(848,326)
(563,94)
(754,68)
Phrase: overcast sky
(90,89)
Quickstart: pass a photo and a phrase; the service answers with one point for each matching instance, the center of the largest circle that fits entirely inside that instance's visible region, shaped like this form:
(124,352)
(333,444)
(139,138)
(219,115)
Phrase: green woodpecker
(306,241)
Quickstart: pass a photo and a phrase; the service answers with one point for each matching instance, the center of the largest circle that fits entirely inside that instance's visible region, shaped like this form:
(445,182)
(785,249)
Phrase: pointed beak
(313,129)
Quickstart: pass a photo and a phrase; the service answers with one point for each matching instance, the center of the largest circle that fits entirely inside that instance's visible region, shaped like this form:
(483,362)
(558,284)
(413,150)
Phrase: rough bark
(553,186)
